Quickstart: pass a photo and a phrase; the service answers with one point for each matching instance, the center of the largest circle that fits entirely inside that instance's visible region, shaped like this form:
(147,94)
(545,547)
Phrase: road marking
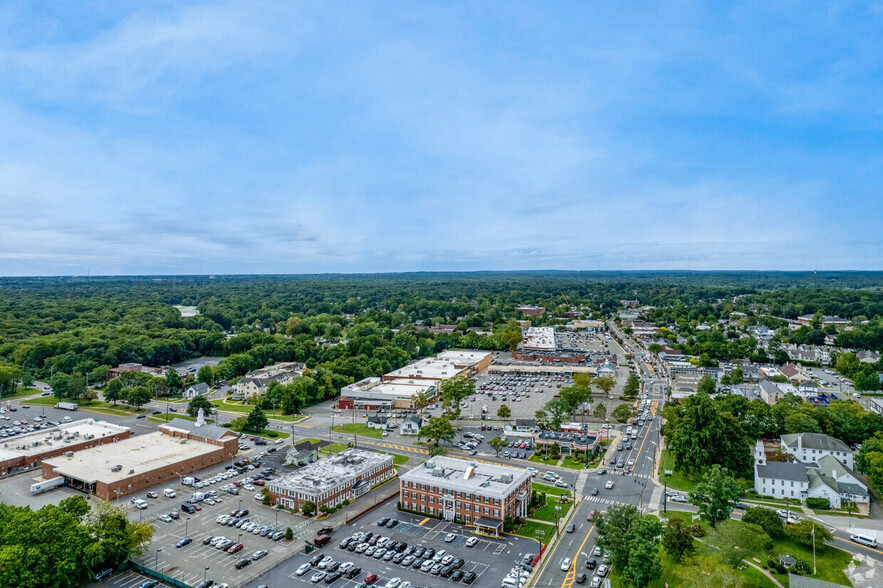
(858,545)
(423,522)
(571,574)
(145,426)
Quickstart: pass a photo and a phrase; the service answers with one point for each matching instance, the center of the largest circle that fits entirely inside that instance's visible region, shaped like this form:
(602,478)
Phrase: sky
(285,137)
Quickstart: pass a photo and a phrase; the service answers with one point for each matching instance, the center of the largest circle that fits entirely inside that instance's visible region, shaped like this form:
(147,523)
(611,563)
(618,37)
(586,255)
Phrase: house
(793,373)
(780,479)
(256,382)
(808,388)
(200,389)
(769,392)
(525,425)
(303,453)
(811,447)
(411,425)
(377,422)
(868,356)
(848,484)
(607,369)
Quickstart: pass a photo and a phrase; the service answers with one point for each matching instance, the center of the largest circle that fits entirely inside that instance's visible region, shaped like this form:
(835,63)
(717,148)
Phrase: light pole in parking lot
(156,560)
(185,525)
(205,576)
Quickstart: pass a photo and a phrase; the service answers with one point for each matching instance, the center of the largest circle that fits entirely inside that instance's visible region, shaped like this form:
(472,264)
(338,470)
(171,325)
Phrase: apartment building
(480,495)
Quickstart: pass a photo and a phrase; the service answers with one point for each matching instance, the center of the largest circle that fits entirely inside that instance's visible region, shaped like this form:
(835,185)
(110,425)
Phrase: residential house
(808,388)
(303,453)
(411,425)
(811,447)
(849,485)
(377,422)
(769,392)
(256,382)
(780,479)
(200,389)
(865,356)
(794,373)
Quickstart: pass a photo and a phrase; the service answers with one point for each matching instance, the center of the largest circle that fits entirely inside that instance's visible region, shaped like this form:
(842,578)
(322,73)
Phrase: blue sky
(249,137)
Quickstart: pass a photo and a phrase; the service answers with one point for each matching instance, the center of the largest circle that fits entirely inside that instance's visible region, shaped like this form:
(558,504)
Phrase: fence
(161,577)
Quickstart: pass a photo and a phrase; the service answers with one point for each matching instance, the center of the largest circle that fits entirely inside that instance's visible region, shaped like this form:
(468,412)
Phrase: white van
(197,497)
(865,540)
(169,493)
(188,481)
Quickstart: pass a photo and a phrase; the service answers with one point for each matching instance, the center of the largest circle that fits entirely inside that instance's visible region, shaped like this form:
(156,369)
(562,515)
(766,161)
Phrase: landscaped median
(542,532)
(94,405)
(227,405)
(358,429)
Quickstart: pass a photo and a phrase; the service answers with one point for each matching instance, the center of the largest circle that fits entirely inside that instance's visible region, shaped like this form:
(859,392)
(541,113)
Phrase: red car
(370,578)
(258,482)
(251,438)
(197,507)
(591,515)
(235,547)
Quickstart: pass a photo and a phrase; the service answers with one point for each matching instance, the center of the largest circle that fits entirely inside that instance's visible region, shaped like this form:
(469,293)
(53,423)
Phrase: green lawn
(358,429)
(164,418)
(543,488)
(547,513)
(569,463)
(264,433)
(399,459)
(333,448)
(95,405)
(539,531)
(310,439)
(830,561)
(538,458)
(677,480)
(19,392)
(235,406)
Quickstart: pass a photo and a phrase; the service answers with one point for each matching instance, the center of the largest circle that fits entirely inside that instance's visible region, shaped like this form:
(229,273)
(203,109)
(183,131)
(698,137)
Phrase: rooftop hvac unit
(439,472)
(506,478)
(68,453)
(116,468)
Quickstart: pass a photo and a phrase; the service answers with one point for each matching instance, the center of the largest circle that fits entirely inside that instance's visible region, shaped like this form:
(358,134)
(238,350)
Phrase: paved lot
(490,559)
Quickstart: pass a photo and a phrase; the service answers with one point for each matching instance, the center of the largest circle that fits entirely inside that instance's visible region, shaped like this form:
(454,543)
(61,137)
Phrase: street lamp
(186,519)
(205,576)
(156,560)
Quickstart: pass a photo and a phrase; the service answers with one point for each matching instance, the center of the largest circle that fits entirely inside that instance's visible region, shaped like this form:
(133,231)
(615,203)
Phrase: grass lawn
(677,480)
(164,418)
(547,513)
(20,391)
(310,439)
(264,433)
(399,459)
(358,429)
(543,488)
(44,400)
(830,561)
(569,463)
(333,448)
(235,406)
(539,531)
(538,458)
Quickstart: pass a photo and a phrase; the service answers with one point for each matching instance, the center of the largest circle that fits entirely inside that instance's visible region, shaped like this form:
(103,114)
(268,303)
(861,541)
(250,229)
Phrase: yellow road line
(859,545)
(568,579)
(421,523)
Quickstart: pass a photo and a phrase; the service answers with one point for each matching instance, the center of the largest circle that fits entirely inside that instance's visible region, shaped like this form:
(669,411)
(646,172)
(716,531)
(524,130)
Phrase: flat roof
(60,435)
(485,479)
(466,357)
(142,454)
(539,338)
(329,472)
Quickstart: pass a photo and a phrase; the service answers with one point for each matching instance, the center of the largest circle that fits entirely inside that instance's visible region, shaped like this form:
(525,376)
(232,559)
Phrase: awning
(489,522)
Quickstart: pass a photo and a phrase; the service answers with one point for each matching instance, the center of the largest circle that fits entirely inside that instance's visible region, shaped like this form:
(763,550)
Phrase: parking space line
(423,522)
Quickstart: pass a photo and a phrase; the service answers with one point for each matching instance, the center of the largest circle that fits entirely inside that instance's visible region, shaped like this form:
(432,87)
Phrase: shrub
(802,568)
(289,534)
(820,503)
(698,531)
(272,434)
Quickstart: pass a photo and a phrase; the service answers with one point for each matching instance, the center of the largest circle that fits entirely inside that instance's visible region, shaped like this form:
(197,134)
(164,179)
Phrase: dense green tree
(9,377)
(632,542)
(504,412)
(138,396)
(173,380)
(736,541)
(605,384)
(632,387)
(716,495)
(623,412)
(76,386)
(256,421)
(58,383)
(438,429)
(766,519)
(199,402)
(677,539)
(497,444)
(706,386)
(600,411)
(803,531)
(738,376)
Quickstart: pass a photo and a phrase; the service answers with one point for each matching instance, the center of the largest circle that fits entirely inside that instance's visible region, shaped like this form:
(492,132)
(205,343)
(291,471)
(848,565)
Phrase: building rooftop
(136,455)
(816,441)
(53,437)
(779,470)
(329,472)
(467,476)
(203,430)
(539,338)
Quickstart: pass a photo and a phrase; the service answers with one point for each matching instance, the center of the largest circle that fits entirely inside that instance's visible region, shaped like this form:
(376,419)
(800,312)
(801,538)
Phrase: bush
(802,568)
(820,503)
(289,534)
(272,434)
(308,508)
(698,531)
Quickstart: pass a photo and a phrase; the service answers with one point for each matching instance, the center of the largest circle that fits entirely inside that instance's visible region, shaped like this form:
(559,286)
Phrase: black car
(419,552)
(457,576)
(429,553)
(468,578)
(353,572)
(206,583)
(591,564)
(594,492)
(458,563)
(446,571)
(314,561)
(417,563)
(332,567)
(401,547)
(332,578)
(580,578)
(382,521)
(392,523)
(352,546)
(242,563)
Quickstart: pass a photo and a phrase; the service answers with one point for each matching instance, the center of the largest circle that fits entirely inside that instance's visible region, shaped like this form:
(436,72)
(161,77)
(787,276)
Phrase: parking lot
(489,559)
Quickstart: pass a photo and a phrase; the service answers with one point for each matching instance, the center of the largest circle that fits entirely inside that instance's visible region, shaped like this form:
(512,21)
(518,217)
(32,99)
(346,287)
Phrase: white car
(609,484)
(326,561)
(471,542)
(303,569)
(317,577)
(565,564)
(597,551)
(393,583)
(450,537)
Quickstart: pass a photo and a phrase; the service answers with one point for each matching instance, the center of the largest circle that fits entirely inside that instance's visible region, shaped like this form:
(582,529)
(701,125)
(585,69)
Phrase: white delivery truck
(197,497)
(169,493)
(188,480)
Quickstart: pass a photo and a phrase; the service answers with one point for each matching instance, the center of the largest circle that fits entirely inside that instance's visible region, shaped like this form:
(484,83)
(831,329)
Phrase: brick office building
(478,494)
(329,481)
(28,451)
(132,465)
